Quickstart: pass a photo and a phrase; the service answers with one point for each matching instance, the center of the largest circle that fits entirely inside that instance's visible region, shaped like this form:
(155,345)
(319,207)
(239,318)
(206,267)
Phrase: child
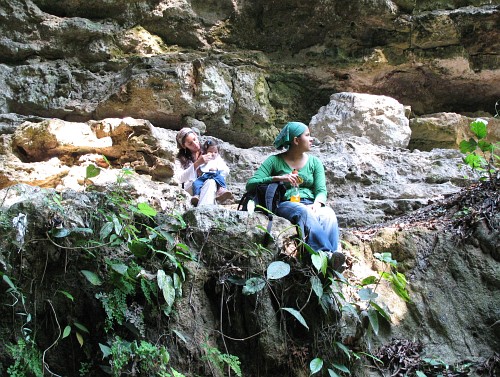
(215,169)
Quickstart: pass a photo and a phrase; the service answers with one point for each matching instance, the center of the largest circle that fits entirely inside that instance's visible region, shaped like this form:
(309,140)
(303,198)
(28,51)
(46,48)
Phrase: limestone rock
(366,182)
(164,61)
(380,119)
(447,130)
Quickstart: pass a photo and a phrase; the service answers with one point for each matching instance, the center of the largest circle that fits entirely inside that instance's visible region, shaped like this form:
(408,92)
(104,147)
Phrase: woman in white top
(189,159)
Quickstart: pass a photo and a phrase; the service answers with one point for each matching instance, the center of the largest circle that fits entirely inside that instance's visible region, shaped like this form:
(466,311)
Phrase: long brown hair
(185,156)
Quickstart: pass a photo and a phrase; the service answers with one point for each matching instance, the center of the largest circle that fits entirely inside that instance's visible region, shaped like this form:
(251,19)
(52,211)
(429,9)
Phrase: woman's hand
(315,206)
(203,159)
(293,179)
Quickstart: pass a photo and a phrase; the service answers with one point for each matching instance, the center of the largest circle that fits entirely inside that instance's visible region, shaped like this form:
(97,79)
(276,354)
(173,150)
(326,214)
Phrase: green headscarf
(291,130)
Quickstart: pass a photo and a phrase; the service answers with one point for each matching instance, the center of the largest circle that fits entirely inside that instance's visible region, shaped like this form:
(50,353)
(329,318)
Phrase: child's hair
(209,143)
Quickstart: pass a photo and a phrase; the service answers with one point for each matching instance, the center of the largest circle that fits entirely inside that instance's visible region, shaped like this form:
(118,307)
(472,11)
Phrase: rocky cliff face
(388,89)
(243,67)
(87,298)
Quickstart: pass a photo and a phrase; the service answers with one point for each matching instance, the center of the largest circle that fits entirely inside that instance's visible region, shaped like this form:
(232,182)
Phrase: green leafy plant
(91,171)
(127,233)
(220,360)
(125,357)
(27,359)
(329,290)
(480,155)
(367,307)
(131,228)
(78,329)
(84,369)
(397,279)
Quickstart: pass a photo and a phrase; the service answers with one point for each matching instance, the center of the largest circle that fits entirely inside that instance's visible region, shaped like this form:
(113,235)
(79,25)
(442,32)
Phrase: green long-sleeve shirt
(313,174)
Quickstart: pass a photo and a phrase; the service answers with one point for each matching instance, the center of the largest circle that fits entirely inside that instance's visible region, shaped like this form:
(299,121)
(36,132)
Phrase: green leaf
(175,373)
(433,362)
(316,261)
(177,285)
(127,171)
(260,227)
(234,279)
(81,327)
(467,146)
(119,267)
(253,285)
(60,233)
(350,309)
(297,315)
(381,311)
(332,373)
(315,365)
(398,282)
(106,229)
(106,351)
(372,357)
(9,282)
(79,337)
(138,248)
(386,258)
(320,261)
(115,240)
(182,246)
(106,159)
(82,230)
(169,238)
(161,277)
(373,317)
(420,374)
(264,209)
(91,277)
(146,209)
(346,350)
(479,127)
(485,146)
(92,171)
(66,332)
(68,295)
(166,284)
(180,335)
(277,270)
(474,161)
(317,286)
(369,280)
(342,367)
(367,294)
(117,225)
(327,302)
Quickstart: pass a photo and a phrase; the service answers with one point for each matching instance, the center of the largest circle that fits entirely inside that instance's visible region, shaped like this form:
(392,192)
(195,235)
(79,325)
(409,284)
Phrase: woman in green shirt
(296,168)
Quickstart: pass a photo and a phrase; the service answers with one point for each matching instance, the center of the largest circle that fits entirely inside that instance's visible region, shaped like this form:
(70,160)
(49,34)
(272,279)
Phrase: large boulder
(447,130)
(380,119)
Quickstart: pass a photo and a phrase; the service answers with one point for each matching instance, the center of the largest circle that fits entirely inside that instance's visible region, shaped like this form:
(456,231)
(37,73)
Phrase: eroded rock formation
(243,67)
(388,88)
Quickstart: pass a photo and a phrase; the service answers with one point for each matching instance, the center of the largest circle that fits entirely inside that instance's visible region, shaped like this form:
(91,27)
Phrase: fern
(115,306)
(220,359)
(27,359)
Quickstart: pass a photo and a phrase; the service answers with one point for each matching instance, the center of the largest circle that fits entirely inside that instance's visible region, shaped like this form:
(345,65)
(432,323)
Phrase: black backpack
(269,196)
